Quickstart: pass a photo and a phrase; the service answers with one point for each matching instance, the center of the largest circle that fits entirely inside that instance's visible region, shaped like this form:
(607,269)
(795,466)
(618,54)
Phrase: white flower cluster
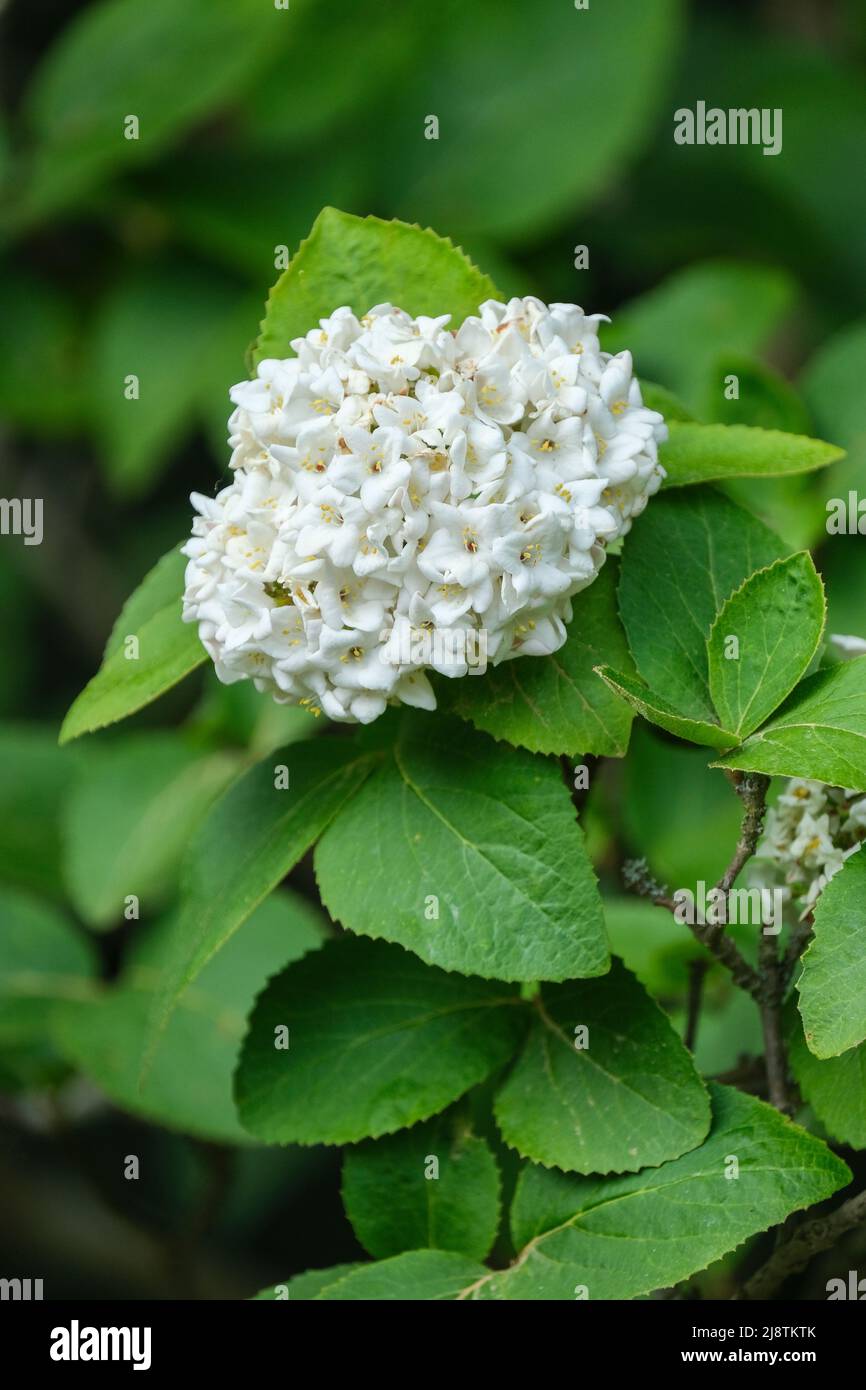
(810,832)
(401,479)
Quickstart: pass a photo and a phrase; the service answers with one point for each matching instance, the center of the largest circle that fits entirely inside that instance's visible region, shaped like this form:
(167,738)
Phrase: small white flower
(396,476)
(848,646)
(809,833)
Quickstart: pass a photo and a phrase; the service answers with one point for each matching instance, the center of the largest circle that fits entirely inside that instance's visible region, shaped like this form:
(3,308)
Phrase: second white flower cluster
(810,832)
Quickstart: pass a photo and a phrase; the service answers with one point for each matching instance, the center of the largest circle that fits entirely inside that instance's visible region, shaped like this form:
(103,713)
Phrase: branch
(639,880)
(752,791)
(809,1240)
(770,1005)
(751,788)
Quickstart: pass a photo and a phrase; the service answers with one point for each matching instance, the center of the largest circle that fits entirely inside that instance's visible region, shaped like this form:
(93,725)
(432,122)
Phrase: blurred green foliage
(151,257)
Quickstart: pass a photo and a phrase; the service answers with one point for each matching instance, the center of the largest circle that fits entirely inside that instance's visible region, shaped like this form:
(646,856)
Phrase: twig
(767,984)
(809,1240)
(752,791)
(770,1005)
(751,788)
(638,879)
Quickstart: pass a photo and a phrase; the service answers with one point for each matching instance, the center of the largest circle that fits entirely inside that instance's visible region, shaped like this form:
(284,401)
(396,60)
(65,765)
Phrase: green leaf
(396,1199)
(42,955)
(241,212)
(224,360)
(604,78)
(623,1237)
(377,1041)
(678,330)
(168,66)
(685,836)
(832,985)
(39,324)
(159,326)
(135,803)
(35,778)
(189,1086)
(237,714)
(708,453)
(764,398)
(835,1087)
(843,568)
(659,398)
(659,712)
(304,1286)
(363,261)
(777,617)
(625,1095)
(554,704)
(160,588)
(417,1276)
(792,506)
(832,387)
(298,100)
(250,839)
(685,555)
(44,961)
(804,208)
(819,733)
(168,649)
(470,855)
